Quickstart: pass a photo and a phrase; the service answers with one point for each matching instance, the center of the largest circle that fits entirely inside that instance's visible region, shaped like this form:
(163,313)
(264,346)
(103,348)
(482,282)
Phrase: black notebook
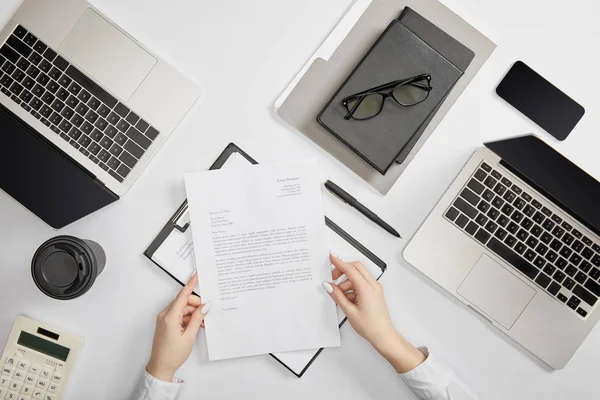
(398,54)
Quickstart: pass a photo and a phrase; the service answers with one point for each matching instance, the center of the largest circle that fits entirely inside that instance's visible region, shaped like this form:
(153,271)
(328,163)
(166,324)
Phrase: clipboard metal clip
(177,219)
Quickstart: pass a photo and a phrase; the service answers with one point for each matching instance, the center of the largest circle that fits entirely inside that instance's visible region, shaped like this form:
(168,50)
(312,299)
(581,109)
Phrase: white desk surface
(244,53)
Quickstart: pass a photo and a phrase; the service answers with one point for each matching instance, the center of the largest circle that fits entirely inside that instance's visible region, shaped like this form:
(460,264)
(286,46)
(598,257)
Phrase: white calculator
(36,362)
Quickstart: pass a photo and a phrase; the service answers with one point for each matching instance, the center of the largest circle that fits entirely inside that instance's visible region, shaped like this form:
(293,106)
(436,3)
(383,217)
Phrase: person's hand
(361,298)
(176,330)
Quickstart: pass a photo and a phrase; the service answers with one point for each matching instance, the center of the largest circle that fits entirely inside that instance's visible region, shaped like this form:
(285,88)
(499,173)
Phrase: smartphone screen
(540,101)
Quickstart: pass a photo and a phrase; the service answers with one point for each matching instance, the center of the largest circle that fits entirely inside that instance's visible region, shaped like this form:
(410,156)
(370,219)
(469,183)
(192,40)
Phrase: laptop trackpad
(496,292)
(107,55)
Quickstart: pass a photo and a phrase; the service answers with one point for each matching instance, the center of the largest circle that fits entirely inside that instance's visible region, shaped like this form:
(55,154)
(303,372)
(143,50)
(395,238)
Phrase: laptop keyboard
(530,237)
(72,105)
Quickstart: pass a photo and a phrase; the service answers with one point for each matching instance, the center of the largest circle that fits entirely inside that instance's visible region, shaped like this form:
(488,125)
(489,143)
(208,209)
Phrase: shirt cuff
(160,390)
(429,379)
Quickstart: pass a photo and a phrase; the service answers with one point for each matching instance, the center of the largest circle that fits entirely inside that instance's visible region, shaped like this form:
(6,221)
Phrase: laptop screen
(557,178)
(41,177)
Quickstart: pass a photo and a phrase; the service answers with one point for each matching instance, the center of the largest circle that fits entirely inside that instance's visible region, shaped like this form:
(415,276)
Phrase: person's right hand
(361,298)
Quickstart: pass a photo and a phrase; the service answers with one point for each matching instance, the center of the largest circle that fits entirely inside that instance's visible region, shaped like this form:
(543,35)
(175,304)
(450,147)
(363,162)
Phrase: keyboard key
(111,131)
(584,295)
(529,255)
(568,239)
(116,151)
(101,124)
(94,103)
(103,110)
(36,104)
(593,287)
(532,242)
(26,96)
(493,214)
(510,240)
(587,253)
(92,117)
(541,249)
(60,63)
(539,262)
(512,228)
(77,120)
(65,126)
(74,88)
(152,133)
(577,234)
(30,39)
(503,221)
(561,263)
(596,248)
(67,113)
(82,109)
(496,175)
(517,217)
(558,232)
(473,184)
(549,269)
(52,87)
(42,78)
(40,47)
(62,94)
(116,176)
(482,236)
(471,228)
(537,231)
(510,196)
(571,270)
(556,244)
(123,126)
(481,219)
(526,223)
(48,98)
(559,276)
(552,256)
(554,288)
(45,66)
(577,246)
(547,211)
(491,227)
(595,273)
(543,280)
(122,139)
(587,241)
(87,128)
(128,159)
(508,209)
(10,54)
(566,252)
(75,134)
(123,170)
(539,217)
(569,283)
(500,189)
(91,86)
(143,125)
(84,141)
(6,81)
(84,96)
(580,277)
(488,195)
(466,194)
(519,204)
(536,204)
(490,182)
(28,83)
(23,64)
(486,167)
(72,101)
(498,202)
(132,118)
(522,235)
(562,297)
(94,148)
(64,80)
(483,206)
(480,175)
(585,267)
(113,163)
(512,258)
(106,142)
(581,312)
(16,89)
(575,259)
(104,155)
(573,302)
(20,32)
(122,110)
(567,227)
(96,135)
(460,204)
(55,118)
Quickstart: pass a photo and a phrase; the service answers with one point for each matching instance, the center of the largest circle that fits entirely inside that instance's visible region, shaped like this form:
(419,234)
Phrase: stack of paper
(262,252)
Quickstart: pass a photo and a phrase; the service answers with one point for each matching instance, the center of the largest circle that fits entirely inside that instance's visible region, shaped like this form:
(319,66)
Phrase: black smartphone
(540,101)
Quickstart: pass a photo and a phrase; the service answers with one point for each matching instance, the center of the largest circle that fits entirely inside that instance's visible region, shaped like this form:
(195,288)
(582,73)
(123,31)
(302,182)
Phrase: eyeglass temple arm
(351,112)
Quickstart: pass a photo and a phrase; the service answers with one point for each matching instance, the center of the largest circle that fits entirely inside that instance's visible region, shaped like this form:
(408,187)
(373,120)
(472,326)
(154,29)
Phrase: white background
(244,53)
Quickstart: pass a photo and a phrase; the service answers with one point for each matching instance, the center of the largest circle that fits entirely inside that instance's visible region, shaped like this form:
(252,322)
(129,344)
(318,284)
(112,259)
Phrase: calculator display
(43,346)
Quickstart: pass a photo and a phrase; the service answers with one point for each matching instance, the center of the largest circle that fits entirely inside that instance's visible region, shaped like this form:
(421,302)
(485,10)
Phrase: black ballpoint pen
(347,198)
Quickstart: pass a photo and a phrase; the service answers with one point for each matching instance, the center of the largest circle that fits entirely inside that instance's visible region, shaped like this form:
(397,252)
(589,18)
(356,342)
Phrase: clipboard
(178,227)
(361,25)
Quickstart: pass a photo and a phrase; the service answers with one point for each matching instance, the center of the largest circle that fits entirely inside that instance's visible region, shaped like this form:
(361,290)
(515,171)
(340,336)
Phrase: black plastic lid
(64,267)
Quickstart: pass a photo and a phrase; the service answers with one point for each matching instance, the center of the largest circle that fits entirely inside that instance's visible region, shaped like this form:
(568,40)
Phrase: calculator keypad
(20,380)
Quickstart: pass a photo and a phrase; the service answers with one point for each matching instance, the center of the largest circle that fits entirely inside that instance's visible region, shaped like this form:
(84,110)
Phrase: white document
(262,253)
(176,253)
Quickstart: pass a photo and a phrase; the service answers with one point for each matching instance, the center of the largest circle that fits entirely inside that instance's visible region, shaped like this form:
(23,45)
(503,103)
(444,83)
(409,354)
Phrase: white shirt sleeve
(150,388)
(434,381)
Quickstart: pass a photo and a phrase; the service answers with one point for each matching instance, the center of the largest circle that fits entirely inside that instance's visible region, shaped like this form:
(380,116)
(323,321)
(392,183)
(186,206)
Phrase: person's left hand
(176,330)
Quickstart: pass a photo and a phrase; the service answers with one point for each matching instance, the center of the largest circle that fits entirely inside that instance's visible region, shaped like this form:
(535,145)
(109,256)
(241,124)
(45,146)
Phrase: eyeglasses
(369,103)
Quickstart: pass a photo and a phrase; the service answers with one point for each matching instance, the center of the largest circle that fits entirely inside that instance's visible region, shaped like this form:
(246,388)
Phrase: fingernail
(328,288)
(335,255)
(192,275)
(343,278)
(206,308)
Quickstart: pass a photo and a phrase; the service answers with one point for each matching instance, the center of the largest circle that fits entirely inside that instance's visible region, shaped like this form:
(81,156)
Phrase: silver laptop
(517,238)
(89,91)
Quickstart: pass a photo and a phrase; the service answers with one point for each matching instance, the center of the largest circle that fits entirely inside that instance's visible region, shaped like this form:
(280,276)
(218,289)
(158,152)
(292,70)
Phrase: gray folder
(333,62)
